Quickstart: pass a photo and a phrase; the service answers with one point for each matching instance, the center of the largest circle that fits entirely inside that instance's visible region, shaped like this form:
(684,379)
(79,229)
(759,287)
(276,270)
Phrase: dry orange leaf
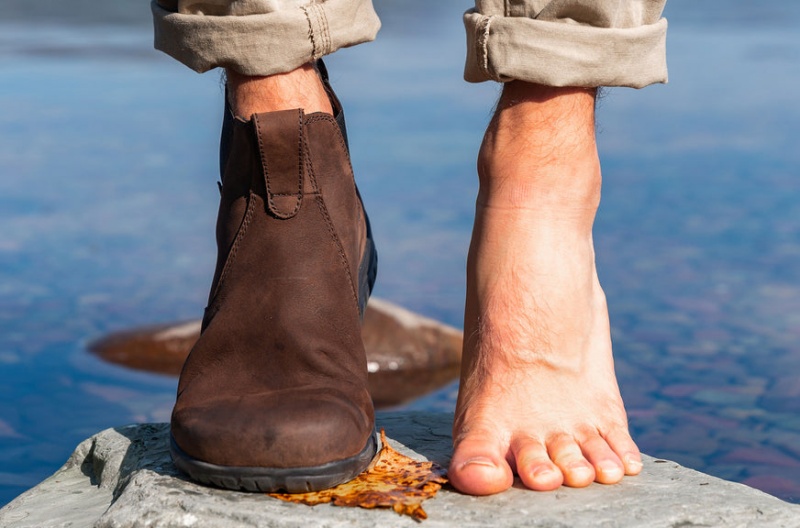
(394,481)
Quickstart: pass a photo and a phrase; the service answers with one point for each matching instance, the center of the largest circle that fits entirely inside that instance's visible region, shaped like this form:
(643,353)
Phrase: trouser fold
(264,39)
(609,44)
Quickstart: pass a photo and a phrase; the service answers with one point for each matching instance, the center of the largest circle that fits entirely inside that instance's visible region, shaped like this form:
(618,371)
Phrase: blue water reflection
(107,203)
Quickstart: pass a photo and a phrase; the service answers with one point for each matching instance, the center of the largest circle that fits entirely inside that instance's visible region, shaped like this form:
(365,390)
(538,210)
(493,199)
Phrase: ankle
(560,117)
(540,150)
(299,88)
(570,189)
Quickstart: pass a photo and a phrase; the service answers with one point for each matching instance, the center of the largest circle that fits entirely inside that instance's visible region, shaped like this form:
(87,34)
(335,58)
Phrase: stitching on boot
(300,152)
(248,217)
(273,207)
(326,118)
(340,139)
(343,145)
(332,231)
(286,195)
(339,248)
(483,45)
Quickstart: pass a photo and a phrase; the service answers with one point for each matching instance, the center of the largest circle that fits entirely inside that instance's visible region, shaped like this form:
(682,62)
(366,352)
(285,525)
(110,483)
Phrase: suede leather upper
(278,377)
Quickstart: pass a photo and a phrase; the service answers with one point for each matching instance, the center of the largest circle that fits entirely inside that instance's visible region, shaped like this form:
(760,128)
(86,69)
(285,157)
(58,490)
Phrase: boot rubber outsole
(271,480)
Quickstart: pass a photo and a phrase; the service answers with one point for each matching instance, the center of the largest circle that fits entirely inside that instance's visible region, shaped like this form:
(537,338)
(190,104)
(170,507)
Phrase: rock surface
(123,478)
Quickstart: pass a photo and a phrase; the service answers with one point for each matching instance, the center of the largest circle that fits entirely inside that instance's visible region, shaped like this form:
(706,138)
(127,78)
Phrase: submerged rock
(124,478)
(408,355)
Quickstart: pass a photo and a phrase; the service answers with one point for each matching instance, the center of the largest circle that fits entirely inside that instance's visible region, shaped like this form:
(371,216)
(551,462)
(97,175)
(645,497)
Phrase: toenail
(580,468)
(478,461)
(542,471)
(608,468)
(633,463)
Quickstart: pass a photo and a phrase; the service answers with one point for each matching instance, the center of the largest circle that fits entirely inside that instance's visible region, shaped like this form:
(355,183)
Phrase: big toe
(478,466)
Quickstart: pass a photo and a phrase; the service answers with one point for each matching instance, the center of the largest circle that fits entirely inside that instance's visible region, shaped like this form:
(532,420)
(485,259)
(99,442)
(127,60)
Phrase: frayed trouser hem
(264,44)
(502,49)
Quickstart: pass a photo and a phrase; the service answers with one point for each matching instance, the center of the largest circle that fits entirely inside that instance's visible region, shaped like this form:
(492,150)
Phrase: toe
(567,455)
(608,467)
(534,466)
(623,445)
(478,466)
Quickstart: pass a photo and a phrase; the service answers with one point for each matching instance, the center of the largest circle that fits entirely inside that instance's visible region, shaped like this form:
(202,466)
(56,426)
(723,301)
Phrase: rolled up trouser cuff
(264,44)
(503,48)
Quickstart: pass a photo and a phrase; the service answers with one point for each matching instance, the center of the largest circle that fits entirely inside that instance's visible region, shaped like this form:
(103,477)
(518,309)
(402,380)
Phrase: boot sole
(270,480)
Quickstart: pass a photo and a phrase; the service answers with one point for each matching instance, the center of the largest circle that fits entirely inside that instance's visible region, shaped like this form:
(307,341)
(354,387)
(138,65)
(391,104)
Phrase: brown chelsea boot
(274,394)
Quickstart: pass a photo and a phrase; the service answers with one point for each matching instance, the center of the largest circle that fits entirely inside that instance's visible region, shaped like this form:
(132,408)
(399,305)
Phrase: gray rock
(123,478)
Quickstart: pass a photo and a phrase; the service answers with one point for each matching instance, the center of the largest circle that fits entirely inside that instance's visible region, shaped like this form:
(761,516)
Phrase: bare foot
(300,88)
(538,395)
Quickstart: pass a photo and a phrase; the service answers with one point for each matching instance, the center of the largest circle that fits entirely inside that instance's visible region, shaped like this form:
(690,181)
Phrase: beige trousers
(553,42)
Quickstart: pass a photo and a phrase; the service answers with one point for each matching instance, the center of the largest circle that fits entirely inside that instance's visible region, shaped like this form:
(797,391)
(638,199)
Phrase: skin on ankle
(538,395)
(300,88)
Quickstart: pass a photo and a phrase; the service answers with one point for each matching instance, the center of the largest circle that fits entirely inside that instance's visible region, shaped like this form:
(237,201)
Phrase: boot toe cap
(281,430)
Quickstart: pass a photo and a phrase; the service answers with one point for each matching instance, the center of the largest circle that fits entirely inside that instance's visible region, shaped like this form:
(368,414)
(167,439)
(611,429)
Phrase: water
(107,203)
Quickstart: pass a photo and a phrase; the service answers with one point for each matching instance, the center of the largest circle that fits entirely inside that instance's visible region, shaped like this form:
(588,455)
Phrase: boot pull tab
(280,142)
